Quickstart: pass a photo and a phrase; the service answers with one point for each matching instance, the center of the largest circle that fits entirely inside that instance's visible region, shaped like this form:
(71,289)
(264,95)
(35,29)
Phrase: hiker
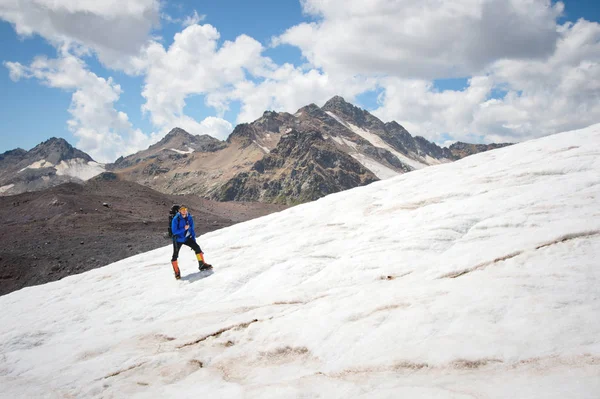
(182,227)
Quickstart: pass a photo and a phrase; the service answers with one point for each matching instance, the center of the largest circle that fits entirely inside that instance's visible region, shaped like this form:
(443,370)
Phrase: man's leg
(202,265)
(176,248)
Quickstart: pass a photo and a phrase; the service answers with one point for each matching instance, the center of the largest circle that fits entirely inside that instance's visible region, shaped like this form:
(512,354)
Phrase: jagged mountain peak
(268,114)
(337,101)
(309,109)
(56,149)
(179,139)
(52,142)
(349,112)
(176,132)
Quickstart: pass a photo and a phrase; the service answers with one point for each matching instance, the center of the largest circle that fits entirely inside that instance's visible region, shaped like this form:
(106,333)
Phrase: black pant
(190,242)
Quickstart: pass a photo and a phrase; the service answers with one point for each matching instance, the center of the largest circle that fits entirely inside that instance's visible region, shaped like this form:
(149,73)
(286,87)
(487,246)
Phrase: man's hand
(187,226)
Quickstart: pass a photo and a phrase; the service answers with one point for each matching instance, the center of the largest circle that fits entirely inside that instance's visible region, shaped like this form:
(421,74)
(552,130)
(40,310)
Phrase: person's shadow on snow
(197,276)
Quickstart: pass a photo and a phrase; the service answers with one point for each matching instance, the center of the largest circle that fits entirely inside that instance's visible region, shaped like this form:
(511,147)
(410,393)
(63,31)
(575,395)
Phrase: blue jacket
(178,227)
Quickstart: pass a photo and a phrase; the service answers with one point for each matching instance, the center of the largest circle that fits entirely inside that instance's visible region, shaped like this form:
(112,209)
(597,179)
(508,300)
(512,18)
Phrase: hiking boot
(176,269)
(204,266)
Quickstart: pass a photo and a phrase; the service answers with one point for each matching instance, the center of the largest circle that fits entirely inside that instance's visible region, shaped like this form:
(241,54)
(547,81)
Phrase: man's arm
(192,231)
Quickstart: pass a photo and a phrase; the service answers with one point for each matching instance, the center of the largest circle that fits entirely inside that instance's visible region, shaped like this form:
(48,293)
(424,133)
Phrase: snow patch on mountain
(381,171)
(38,165)
(377,141)
(337,118)
(79,168)
(4,189)
(344,141)
(189,150)
(262,147)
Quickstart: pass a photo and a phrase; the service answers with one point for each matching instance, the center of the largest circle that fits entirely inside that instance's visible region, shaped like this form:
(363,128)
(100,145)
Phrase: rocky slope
(50,163)
(303,167)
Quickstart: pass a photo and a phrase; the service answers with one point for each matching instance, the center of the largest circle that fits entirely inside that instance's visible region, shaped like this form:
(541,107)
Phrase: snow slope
(475,279)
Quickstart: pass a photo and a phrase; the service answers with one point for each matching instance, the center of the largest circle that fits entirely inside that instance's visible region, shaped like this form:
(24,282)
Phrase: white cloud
(425,111)
(288,88)
(193,19)
(424,39)
(112,28)
(15,70)
(236,71)
(103,132)
(193,65)
(543,97)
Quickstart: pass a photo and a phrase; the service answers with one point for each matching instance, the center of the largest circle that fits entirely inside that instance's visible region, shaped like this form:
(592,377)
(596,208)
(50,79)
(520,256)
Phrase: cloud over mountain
(423,39)
(103,131)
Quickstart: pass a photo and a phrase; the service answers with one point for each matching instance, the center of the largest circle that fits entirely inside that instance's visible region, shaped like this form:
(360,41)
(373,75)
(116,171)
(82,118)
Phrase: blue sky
(446,78)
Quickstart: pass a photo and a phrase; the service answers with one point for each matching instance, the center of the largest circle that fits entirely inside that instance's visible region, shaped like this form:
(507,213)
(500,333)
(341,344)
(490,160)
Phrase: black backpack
(172,213)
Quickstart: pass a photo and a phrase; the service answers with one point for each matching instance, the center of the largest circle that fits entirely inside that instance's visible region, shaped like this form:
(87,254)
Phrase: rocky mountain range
(279,158)
(287,158)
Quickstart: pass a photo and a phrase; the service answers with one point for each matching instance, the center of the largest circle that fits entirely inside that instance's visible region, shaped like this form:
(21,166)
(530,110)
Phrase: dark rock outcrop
(460,150)
(303,167)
